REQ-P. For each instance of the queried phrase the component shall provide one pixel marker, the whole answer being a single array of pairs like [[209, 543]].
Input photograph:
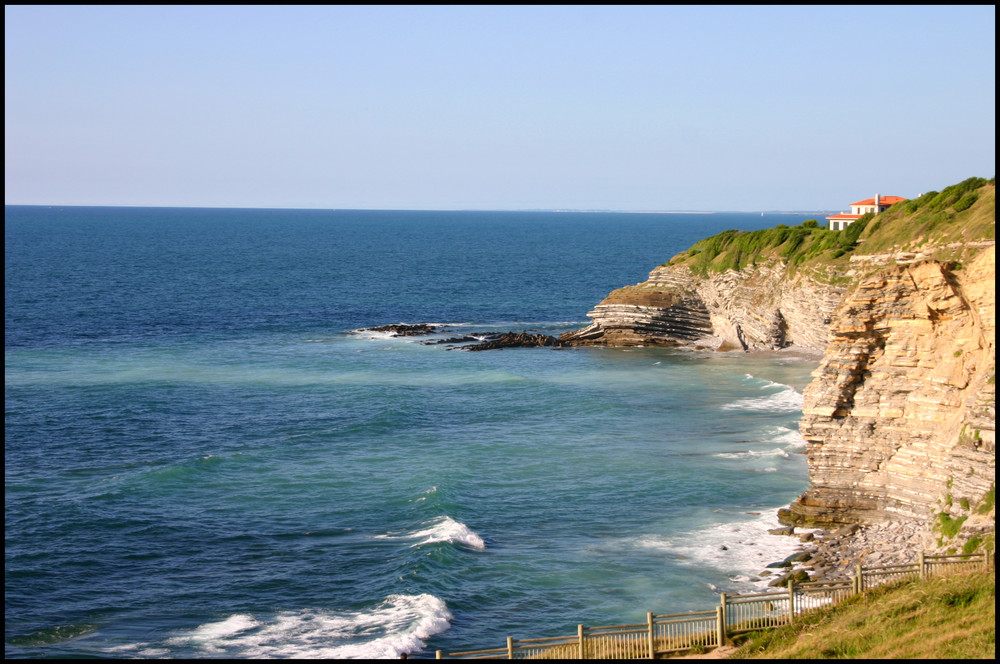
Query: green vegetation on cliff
[[964, 212], [946, 617]]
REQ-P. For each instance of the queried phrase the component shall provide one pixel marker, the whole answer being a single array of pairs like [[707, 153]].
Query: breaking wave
[[443, 529], [397, 625], [787, 398], [752, 453], [739, 549]]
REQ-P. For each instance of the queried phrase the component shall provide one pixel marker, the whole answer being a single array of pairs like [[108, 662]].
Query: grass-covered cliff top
[[947, 617], [964, 212]]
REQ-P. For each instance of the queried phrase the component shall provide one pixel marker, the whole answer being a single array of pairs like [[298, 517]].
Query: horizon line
[[359, 209]]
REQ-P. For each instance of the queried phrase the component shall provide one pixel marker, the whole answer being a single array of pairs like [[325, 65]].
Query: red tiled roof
[[838, 217], [883, 200]]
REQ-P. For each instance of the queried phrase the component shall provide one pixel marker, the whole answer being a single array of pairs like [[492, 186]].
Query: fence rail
[[735, 614], [683, 631]]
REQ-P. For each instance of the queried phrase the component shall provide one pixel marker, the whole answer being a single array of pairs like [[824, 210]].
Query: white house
[[839, 222]]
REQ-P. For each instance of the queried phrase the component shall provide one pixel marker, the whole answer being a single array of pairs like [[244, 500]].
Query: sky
[[501, 108]]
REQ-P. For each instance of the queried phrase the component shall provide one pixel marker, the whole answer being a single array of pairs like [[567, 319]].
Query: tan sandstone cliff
[[900, 417]]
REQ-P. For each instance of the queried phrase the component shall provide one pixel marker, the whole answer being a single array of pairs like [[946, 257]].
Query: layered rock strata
[[900, 417], [761, 307]]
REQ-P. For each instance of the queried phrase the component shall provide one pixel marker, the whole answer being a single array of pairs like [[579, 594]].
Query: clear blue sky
[[625, 108]]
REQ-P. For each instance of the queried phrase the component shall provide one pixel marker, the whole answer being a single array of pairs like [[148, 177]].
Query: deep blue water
[[202, 459]]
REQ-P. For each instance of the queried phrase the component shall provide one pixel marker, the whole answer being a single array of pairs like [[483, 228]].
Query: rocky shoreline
[[832, 555]]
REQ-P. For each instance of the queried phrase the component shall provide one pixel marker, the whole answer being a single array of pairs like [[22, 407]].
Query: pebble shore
[[831, 555]]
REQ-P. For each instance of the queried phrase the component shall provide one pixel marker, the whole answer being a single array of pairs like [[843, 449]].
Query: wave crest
[[398, 624], [740, 548], [788, 398], [443, 529], [752, 453], [447, 529]]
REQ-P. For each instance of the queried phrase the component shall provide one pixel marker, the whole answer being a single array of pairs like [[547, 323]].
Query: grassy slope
[[960, 213], [946, 617]]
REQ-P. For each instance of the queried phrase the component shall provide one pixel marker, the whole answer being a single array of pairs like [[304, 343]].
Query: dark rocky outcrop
[[515, 340], [450, 341]]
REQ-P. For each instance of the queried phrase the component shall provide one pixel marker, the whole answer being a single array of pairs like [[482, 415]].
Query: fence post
[[791, 601], [579, 634], [510, 647], [649, 622], [861, 577], [725, 617], [720, 626], [922, 563]]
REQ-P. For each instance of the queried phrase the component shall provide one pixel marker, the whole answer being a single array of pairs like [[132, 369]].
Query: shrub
[[965, 202]]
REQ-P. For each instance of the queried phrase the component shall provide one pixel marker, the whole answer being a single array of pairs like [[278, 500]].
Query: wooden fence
[[735, 614]]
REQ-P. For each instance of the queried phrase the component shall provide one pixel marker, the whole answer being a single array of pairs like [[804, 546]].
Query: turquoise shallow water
[[202, 459]]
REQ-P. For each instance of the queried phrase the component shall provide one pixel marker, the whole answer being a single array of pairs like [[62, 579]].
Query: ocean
[[206, 457]]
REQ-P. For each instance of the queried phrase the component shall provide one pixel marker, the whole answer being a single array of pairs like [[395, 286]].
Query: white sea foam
[[424, 494], [443, 529], [398, 338], [373, 334], [753, 453], [787, 398], [740, 549], [211, 633], [790, 438], [398, 624], [384, 335], [447, 529]]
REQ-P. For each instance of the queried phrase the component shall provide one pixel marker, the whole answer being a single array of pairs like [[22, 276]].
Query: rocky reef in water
[[478, 342], [514, 340], [403, 329]]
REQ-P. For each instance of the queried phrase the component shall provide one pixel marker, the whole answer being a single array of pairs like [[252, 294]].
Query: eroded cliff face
[[756, 308], [900, 417]]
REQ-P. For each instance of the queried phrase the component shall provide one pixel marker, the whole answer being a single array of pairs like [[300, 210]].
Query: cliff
[[761, 307], [900, 417]]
